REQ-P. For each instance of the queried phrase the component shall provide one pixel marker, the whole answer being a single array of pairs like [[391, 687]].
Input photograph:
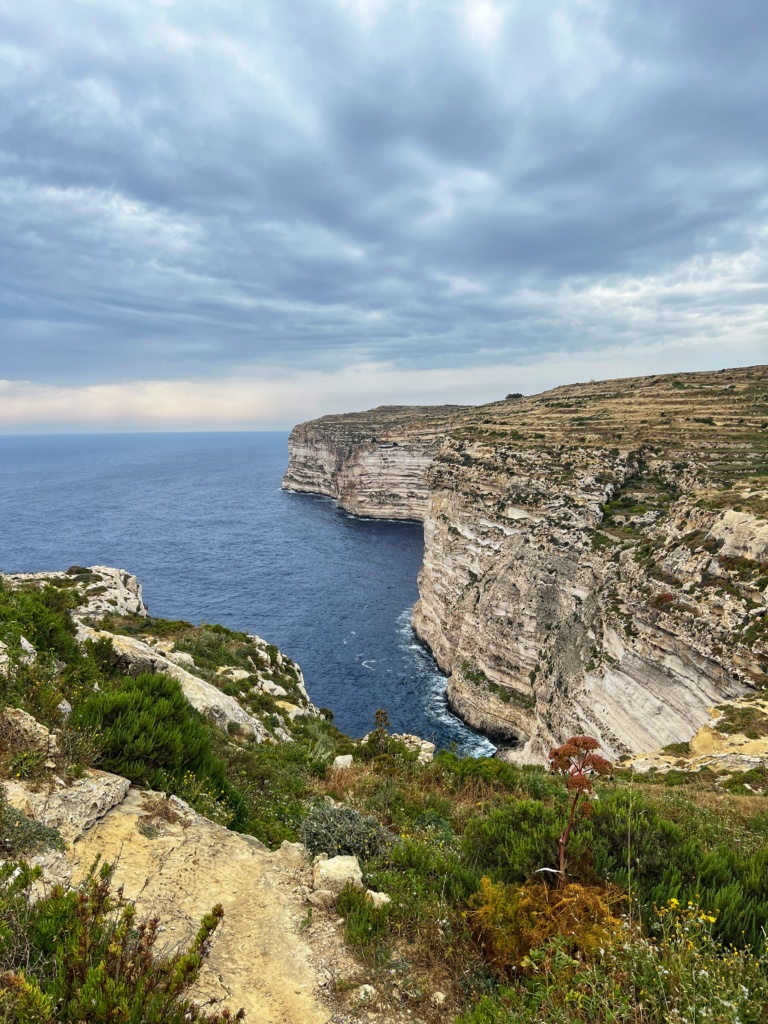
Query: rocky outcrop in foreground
[[596, 557]]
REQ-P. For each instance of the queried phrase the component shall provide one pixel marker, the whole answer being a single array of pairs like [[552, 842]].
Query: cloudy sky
[[244, 213]]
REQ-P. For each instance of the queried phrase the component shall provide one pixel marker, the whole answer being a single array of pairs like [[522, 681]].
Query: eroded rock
[[336, 872]]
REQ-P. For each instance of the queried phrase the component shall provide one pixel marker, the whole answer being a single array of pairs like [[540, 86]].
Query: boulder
[[342, 761], [336, 872], [182, 658], [235, 674], [135, 656], [27, 656], [291, 856], [423, 748], [20, 731]]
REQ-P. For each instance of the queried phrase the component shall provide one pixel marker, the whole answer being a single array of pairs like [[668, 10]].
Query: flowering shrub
[[577, 761]]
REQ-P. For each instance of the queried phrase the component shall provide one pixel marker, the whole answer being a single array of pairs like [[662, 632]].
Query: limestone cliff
[[372, 463], [596, 557]]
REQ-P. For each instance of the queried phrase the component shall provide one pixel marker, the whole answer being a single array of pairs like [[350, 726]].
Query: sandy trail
[[260, 959]]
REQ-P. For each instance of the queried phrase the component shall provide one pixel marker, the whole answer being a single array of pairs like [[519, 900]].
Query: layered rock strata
[[596, 557], [372, 463]]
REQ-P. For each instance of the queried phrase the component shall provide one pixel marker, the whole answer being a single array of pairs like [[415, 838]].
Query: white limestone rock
[[235, 674], [292, 856], [71, 809], [342, 761], [423, 748], [136, 656], [19, 731], [378, 899], [336, 872], [182, 658]]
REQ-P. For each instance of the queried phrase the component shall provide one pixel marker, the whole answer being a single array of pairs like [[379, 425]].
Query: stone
[[19, 731], [182, 658], [378, 899], [323, 899], [342, 761], [235, 674], [27, 656], [29, 651], [437, 998], [72, 809], [336, 872], [423, 748], [292, 856], [291, 710]]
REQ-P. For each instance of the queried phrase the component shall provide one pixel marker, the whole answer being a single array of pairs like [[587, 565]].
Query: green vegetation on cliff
[[667, 894]]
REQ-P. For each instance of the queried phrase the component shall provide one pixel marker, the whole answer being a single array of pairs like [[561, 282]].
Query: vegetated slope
[[596, 557], [457, 844]]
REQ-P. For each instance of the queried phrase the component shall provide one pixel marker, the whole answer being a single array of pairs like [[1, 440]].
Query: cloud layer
[[200, 197]]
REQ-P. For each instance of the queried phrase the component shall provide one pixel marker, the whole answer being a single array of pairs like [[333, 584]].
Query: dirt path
[[261, 958]]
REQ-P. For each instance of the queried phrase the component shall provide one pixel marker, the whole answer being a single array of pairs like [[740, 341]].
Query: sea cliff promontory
[[596, 556]]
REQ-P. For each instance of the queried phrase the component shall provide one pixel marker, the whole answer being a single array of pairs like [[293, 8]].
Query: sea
[[202, 521]]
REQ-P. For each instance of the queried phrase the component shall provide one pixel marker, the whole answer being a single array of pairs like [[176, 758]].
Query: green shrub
[[82, 956], [513, 841], [366, 925], [147, 730], [343, 830]]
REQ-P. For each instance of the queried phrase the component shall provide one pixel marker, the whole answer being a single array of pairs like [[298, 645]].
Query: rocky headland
[[596, 556]]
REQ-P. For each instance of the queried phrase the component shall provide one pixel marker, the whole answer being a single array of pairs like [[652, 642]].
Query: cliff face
[[596, 557], [373, 464]]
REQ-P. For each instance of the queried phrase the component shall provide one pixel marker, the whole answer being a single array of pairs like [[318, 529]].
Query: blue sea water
[[203, 523]]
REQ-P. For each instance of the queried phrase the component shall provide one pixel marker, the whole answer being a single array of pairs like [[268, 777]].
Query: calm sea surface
[[201, 520]]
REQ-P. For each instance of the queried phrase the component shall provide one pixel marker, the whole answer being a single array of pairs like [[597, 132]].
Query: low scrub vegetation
[[526, 895], [82, 956]]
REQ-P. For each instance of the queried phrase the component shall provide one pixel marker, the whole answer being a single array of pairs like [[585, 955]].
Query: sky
[[218, 214]]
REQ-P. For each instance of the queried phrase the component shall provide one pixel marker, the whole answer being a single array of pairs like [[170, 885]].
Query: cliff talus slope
[[596, 557]]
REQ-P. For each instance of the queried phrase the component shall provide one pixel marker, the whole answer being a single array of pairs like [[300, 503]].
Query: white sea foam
[[436, 707]]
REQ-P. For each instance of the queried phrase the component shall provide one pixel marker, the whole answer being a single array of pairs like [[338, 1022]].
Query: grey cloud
[[190, 188]]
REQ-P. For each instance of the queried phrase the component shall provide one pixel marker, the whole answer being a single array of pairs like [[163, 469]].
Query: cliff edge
[[596, 556]]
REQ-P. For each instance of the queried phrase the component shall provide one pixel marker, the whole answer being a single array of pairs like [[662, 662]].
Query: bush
[[148, 732], [82, 956], [684, 976], [513, 841], [343, 830], [511, 920], [146, 729]]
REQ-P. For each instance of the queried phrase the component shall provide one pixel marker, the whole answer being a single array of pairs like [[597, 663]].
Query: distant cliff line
[[596, 557]]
